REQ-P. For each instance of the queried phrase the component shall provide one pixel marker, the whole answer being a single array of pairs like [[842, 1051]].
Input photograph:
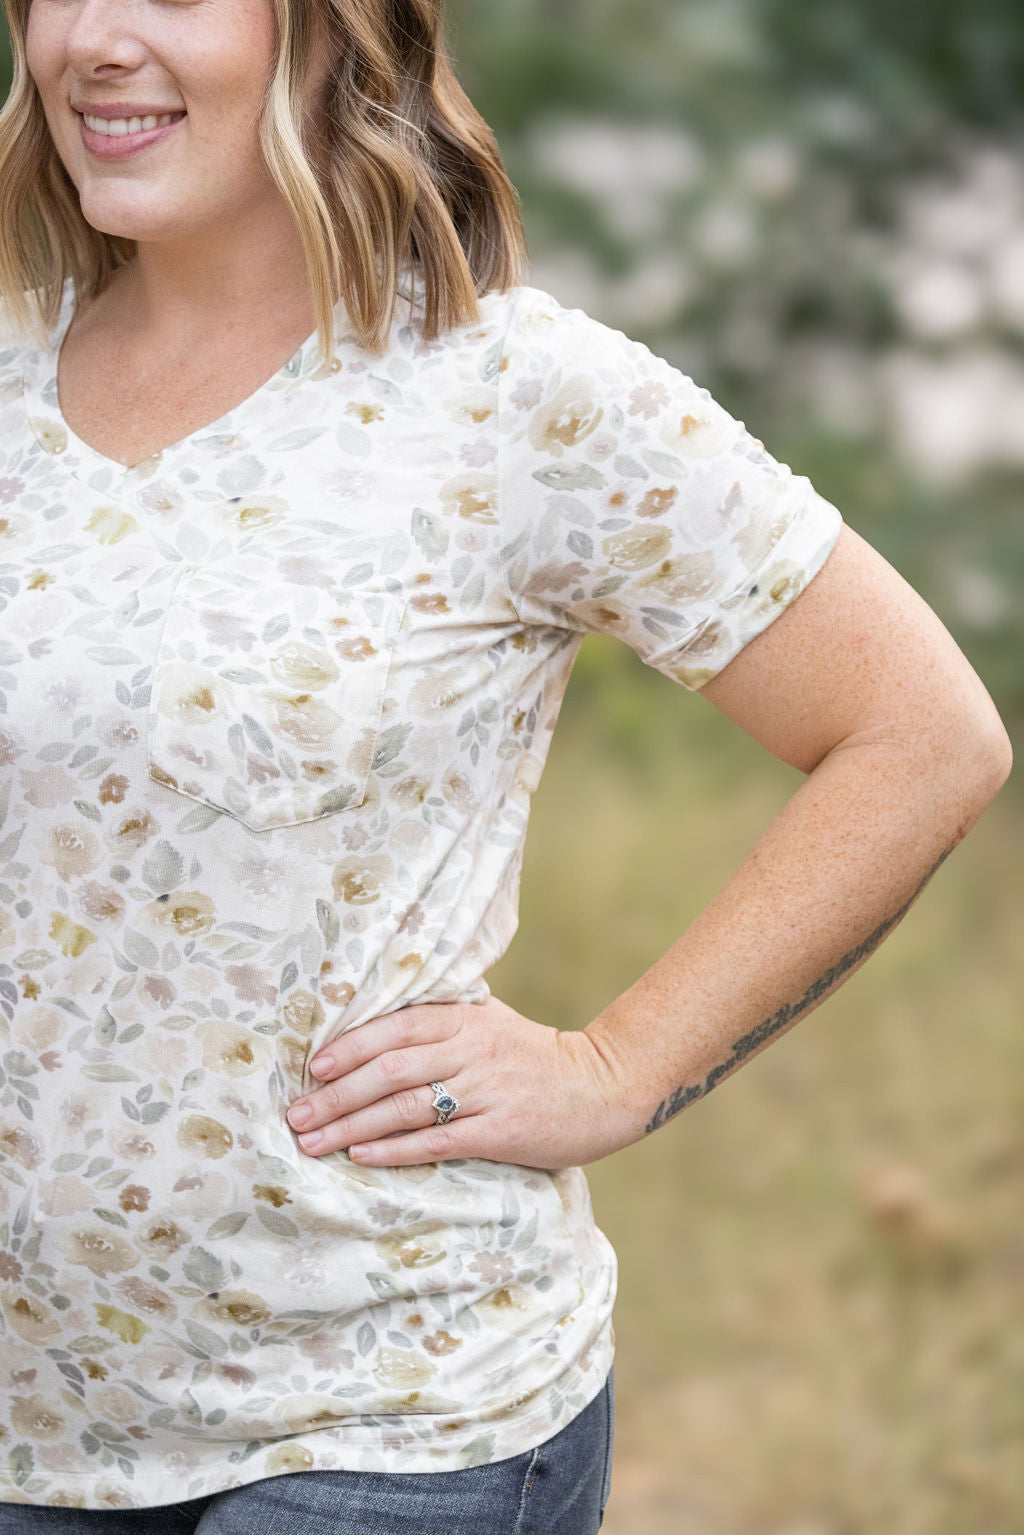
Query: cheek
[[225, 92], [41, 50], [45, 57]]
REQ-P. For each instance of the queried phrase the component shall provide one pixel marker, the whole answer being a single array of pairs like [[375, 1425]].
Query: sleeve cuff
[[792, 562]]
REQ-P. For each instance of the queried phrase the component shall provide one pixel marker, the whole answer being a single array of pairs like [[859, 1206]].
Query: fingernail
[[299, 1113], [321, 1066], [312, 1138]]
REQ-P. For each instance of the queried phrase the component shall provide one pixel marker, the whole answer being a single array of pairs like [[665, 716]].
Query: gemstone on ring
[[445, 1103]]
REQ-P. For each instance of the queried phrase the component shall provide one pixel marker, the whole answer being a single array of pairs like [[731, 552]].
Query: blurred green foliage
[[868, 101], [874, 100], [731, 63]]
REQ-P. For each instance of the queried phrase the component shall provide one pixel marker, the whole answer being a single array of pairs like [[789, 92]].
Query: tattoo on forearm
[[789, 1011]]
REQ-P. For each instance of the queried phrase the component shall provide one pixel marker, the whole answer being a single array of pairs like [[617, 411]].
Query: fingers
[[423, 1023], [411, 1110], [375, 1093], [438, 1144], [387, 1077]]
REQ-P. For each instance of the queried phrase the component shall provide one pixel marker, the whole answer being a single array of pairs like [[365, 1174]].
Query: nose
[[102, 38]]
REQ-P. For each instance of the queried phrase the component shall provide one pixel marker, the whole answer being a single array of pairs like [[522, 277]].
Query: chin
[[127, 224]]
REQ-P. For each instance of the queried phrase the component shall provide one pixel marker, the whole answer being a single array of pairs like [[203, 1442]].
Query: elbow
[[961, 760], [987, 762], [999, 760]]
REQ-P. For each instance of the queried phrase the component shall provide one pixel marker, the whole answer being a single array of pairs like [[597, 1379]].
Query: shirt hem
[[325, 1450]]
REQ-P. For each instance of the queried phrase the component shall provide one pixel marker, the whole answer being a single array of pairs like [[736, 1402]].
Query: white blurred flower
[[652, 294], [725, 233], [1006, 281], [956, 258], [951, 417], [968, 213], [601, 154], [630, 170], [937, 299]]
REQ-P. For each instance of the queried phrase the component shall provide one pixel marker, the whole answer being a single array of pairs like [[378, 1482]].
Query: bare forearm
[[826, 883]]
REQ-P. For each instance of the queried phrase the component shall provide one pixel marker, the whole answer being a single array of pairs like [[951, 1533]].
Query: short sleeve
[[631, 503]]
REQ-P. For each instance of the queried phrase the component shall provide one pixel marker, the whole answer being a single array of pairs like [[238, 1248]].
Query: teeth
[[118, 127]]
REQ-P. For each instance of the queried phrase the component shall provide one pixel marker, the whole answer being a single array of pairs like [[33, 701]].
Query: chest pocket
[[267, 694]]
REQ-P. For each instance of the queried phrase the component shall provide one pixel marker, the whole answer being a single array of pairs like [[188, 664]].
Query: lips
[[124, 108], [115, 138]]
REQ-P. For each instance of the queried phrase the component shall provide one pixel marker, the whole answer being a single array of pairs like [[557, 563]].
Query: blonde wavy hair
[[398, 172]]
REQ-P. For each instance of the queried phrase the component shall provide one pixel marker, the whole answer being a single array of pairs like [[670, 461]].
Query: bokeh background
[[817, 211]]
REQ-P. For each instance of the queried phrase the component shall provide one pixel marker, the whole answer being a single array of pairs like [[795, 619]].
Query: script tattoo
[[788, 1012]]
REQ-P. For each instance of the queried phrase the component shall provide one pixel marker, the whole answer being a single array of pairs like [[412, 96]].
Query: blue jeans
[[559, 1488]]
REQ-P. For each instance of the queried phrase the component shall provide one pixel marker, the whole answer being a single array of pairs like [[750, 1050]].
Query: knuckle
[[409, 1106], [330, 1101], [440, 1141], [393, 1064], [507, 1129], [411, 1027]]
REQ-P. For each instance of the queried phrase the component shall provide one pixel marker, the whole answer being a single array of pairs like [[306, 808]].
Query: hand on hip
[[526, 1092]]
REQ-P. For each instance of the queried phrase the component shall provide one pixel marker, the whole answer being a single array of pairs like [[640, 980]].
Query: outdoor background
[[816, 211]]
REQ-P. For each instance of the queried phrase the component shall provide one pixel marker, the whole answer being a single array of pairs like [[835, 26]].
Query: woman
[[296, 567]]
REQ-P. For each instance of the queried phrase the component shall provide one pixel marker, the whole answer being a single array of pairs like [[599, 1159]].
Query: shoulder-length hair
[[397, 172]]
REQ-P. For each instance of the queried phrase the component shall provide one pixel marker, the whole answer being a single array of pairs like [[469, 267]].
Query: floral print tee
[[274, 702]]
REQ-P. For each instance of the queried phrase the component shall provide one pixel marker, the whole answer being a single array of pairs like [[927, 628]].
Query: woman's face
[[153, 106]]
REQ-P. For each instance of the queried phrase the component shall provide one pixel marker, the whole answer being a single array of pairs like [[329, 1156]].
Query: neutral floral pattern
[[272, 707]]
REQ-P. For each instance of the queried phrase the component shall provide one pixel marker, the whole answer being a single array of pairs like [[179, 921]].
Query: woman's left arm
[[860, 686]]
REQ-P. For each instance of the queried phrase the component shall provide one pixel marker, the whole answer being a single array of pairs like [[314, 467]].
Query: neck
[[192, 286]]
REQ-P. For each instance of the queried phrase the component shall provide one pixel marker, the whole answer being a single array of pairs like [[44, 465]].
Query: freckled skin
[[748, 1044], [859, 686], [882, 808]]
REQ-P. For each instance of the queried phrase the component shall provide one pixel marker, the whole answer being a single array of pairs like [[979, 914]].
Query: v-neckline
[[55, 436]]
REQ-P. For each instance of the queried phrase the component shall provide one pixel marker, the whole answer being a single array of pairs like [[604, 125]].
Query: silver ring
[[445, 1103]]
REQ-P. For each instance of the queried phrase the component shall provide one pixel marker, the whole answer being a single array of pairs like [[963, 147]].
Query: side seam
[[526, 1490]]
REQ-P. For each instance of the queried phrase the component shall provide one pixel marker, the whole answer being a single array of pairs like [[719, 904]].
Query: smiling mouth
[[122, 127]]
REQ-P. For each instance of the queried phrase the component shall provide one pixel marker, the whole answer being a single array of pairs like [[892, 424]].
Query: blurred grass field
[[820, 1320]]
